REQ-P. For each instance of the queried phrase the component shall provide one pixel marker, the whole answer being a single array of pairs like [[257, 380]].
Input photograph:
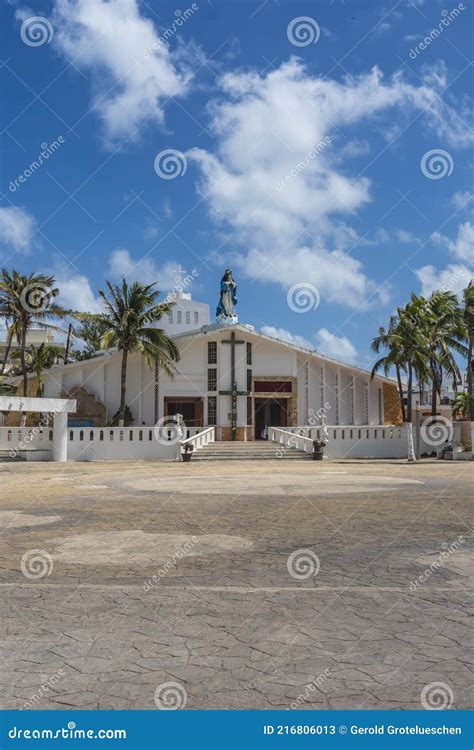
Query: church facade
[[230, 376]]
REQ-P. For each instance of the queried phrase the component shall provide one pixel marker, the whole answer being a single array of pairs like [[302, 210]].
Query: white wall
[[101, 377]]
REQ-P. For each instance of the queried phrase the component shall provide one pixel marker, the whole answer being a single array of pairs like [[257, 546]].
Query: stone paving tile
[[232, 626]]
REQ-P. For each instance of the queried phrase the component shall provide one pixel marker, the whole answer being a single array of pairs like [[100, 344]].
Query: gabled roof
[[218, 328]]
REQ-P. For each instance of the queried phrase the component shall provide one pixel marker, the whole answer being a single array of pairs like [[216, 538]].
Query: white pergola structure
[[58, 407]]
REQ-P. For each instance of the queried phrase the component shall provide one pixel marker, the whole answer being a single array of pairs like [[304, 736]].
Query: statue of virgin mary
[[225, 309]]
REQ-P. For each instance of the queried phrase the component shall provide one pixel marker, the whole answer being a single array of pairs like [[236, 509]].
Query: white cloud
[[435, 75], [283, 335], [338, 347], [133, 73], [456, 276], [76, 292], [381, 236], [463, 199], [453, 278], [151, 232], [286, 201], [121, 263], [17, 228], [463, 245]]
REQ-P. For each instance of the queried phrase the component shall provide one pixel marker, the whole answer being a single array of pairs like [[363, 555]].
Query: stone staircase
[[258, 450]]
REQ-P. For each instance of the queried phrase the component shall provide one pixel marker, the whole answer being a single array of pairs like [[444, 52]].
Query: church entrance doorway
[[270, 412], [191, 407]]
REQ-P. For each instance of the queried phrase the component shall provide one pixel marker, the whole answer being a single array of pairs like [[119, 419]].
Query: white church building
[[229, 376]]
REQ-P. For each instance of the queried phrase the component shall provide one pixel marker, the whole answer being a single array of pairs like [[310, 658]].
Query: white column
[[338, 395], [60, 436]]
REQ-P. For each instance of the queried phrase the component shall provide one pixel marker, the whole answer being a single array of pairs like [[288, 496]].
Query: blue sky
[[304, 132]]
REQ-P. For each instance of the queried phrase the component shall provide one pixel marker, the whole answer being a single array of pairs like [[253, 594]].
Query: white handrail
[[291, 439], [199, 440]]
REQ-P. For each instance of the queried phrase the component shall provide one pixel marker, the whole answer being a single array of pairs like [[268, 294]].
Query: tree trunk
[[400, 393], [469, 386], [469, 375], [23, 361], [410, 443], [7, 350], [434, 394], [123, 387], [434, 389]]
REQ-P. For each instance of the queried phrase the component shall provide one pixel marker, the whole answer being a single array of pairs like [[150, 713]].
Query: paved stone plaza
[[119, 577]]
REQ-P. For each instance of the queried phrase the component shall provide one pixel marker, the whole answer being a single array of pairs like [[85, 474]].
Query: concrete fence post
[[60, 436]]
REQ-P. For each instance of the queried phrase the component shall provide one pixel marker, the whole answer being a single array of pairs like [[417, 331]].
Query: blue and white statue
[[225, 309]]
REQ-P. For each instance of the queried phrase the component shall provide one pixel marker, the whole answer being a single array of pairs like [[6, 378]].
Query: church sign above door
[[272, 386]]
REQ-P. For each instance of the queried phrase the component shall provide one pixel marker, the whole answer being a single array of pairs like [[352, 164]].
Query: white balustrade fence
[[358, 441], [21, 440], [199, 440], [352, 441], [108, 443], [95, 443]]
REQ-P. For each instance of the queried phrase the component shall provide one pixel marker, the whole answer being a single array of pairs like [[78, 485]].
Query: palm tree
[[41, 358], [461, 405], [417, 353], [407, 351], [390, 341], [130, 313], [10, 330], [441, 318], [27, 300], [468, 315], [90, 331]]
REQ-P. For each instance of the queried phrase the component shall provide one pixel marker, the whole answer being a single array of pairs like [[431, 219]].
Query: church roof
[[215, 328], [249, 329]]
